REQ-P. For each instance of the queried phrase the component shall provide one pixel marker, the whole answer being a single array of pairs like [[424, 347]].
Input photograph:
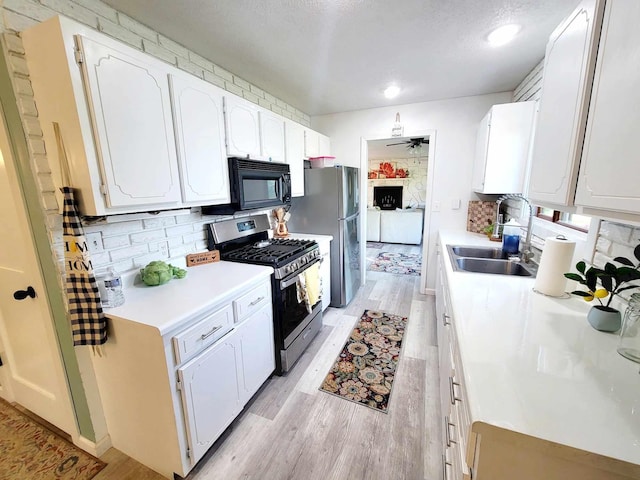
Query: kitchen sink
[[479, 252], [485, 265], [488, 260]]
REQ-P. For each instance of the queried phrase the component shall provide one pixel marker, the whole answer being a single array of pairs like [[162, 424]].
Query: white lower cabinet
[[255, 356], [210, 379], [168, 397], [453, 403]]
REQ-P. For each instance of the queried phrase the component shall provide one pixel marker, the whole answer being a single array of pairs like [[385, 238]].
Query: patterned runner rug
[[30, 451], [365, 369], [375, 245], [399, 263]]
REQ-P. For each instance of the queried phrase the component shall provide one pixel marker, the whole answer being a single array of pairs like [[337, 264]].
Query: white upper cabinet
[[610, 169], [131, 113], [294, 135], [568, 70], [316, 144], [199, 126], [502, 148], [272, 138], [242, 123], [112, 106]]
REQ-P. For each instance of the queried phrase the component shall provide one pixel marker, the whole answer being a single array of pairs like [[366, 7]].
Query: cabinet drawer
[[252, 301], [201, 335]]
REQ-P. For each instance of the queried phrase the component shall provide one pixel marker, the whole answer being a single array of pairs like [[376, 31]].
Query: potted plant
[[613, 281]]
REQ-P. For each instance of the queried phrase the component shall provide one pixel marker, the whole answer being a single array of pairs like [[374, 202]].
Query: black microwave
[[255, 184]]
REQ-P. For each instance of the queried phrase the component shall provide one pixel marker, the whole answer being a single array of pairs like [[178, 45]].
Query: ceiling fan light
[[391, 91], [503, 35]]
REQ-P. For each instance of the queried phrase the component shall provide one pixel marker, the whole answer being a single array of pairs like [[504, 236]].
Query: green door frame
[[50, 273]]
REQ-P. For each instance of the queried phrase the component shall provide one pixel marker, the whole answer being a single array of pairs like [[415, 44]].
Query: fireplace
[[387, 198]]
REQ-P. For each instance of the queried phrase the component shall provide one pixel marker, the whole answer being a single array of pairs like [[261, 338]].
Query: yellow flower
[[589, 297], [600, 293]]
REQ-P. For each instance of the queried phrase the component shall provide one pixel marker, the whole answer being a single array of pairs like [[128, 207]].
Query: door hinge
[[178, 385], [79, 56], [189, 453], [103, 189]]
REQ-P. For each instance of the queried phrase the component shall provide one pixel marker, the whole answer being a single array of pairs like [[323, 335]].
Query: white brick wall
[[130, 244]]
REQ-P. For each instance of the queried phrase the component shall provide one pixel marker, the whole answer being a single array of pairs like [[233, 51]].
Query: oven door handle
[[287, 283]]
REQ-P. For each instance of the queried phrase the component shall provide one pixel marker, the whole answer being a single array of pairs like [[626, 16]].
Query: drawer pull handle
[[445, 320], [452, 391], [447, 432], [211, 332], [256, 301], [445, 464]]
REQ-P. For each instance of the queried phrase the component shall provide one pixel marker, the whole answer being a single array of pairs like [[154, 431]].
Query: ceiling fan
[[412, 143]]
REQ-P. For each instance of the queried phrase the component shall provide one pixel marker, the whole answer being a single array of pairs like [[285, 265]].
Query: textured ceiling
[[327, 56]]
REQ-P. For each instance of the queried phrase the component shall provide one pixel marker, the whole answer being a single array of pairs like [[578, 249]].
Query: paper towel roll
[[554, 263]]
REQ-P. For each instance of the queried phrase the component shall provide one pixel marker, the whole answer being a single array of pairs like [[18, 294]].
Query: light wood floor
[[292, 431]]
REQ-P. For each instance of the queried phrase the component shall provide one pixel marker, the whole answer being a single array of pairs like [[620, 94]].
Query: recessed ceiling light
[[503, 35], [391, 91]]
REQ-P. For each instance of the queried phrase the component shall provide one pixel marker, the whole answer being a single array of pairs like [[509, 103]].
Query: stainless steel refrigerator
[[331, 206]]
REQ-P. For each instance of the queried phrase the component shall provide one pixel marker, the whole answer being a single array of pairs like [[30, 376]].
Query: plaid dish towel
[[88, 323]]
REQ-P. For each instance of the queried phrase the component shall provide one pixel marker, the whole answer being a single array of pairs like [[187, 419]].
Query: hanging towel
[[88, 323], [313, 283], [302, 292]]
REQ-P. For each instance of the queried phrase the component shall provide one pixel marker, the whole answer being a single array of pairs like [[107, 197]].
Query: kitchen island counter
[[532, 364]]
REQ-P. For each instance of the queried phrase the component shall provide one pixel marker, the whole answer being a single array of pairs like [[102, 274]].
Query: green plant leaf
[[576, 277], [607, 282], [592, 278], [628, 274], [580, 266], [628, 287], [624, 261], [636, 252], [610, 268], [580, 293]]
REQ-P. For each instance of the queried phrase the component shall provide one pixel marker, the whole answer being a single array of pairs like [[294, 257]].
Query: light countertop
[[165, 307], [534, 365]]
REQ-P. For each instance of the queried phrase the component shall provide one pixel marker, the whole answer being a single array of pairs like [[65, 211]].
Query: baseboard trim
[[97, 449]]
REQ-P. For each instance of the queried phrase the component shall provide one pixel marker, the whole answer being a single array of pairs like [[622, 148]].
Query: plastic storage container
[[110, 287], [629, 343], [511, 237], [321, 162]]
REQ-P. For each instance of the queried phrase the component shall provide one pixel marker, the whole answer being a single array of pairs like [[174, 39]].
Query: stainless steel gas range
[[247, 240]]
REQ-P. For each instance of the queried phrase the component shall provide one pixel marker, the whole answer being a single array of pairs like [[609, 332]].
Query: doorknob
[[22, 294]]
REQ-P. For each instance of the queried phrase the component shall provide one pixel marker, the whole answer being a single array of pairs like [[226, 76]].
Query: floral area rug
[[399, 263], [30, 451], [365, 369], [375, 244]]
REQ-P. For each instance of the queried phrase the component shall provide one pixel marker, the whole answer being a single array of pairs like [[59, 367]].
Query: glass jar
[[629, 343]]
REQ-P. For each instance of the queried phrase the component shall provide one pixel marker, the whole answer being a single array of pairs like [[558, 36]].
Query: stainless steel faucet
[[526, 255]]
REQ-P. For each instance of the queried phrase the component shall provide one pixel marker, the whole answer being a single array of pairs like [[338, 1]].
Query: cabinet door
[[256, 343], [133, 129], [609, 170], [199, 124], [568, 69], [242, 125], [311, 143], [482, 145], [272, 136], [294, 136], [210, 394], [324, 145], [504, 140]]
